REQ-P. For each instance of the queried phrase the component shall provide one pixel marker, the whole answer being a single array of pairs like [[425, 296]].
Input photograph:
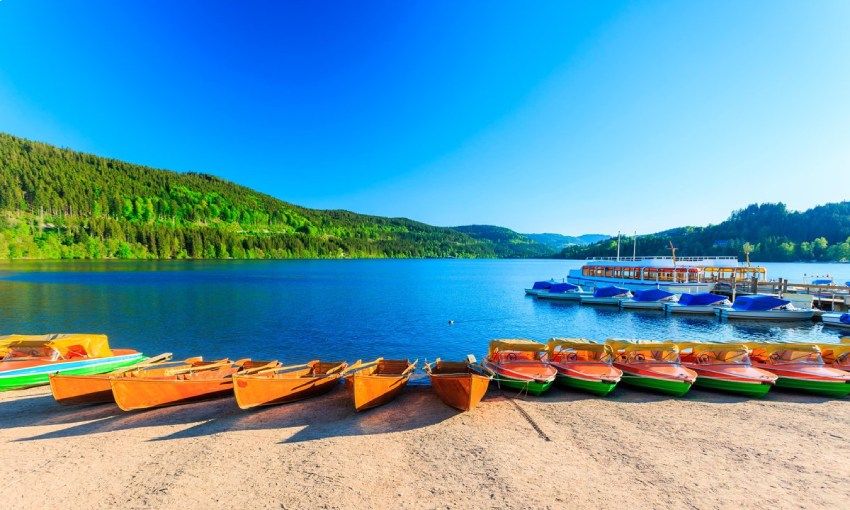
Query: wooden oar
[[212, 366], [272, 365], [410, 368], [146, 363], [359, 365]]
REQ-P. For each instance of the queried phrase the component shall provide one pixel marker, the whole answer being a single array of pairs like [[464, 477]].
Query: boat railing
[[661, 257]]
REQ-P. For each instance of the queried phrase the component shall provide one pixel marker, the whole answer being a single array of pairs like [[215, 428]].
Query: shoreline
[[563, 449]]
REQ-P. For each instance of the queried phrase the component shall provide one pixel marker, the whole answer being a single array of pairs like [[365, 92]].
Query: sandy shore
[[634, 450]]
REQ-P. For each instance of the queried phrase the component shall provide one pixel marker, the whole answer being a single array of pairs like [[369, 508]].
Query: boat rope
[[529, 419]]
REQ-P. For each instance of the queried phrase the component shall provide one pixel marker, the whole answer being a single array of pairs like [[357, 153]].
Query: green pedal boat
[[653, 366], [28, 360], [583, 365], [725, 367], [520, 365], [800, 367]]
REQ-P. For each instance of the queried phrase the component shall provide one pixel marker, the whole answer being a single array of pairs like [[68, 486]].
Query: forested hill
[[58, 203], [770, 231]]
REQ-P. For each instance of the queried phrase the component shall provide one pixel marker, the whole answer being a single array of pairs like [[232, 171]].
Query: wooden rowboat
[[458, 383], [71, 389], [279, 385], [377, 382], [158, 387]]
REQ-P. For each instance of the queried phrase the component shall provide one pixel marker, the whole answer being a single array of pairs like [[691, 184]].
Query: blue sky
[[567, 117]]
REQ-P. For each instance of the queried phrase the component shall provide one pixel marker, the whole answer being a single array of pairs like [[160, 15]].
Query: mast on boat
[[618, 246]]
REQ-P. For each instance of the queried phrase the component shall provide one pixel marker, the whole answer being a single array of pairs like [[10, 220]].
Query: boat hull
[[748, 389], [461, 391], [535, 388], [563, 296], [834, 320], [693, 310], [81, 389], [642, 305], [253, 391], [659, 385], [369, 391], [835, 389], [599, 388], [778, 315], [39, 375], [135, 393], [601, 301]]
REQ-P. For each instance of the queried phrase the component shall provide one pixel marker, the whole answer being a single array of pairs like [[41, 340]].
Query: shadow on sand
[[327, 416]]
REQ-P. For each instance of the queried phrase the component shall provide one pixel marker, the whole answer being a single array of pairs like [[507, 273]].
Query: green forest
[[62, 204], [769, 232]]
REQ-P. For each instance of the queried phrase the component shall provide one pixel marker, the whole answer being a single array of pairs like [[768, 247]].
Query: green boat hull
[[737, 387], [599, 388], [668, 387], [28, 380], [826, 388], [535, 388]]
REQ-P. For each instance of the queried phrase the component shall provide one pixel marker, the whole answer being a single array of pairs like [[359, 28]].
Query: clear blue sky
[[565, 116]]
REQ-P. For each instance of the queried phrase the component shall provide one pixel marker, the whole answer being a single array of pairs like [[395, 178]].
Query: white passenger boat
[[678, 275], [838, 320], [539, 287], [609, 295], [763, 307], [649, 299], [564, 292], [700, 304]]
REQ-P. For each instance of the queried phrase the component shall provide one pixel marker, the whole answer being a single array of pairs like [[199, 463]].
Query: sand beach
[[561, 450]]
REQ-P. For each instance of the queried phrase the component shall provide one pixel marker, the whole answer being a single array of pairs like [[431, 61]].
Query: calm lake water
[[300, 310]]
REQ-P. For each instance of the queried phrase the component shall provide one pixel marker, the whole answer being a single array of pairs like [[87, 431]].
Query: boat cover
[[716, 352], [516, 344], [599, 352], [541, 285], [845, 318], [785, 353], [821, 282], [651, 295], [642, 351], [67, 345], [609, 291], [706, 298], [758, 303], [562, 287]]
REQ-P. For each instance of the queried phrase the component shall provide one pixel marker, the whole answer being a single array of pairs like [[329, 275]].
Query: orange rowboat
[[280, 385], [95, 388], [157, 387], [457, 383], [377, 382]]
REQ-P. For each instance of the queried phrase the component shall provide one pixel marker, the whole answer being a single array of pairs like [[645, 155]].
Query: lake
[[340, 309]]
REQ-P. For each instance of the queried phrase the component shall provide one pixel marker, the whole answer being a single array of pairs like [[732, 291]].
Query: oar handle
[[360, 365], [211, 366], [161, 358], [410, 368]]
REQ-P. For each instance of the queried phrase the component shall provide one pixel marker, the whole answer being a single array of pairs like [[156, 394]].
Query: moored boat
[[538, 287], [609, 295], [459, 384], [71, 389], [698, 304], [652, 365], [763, 307], [649, 299], [280, 385], [377, 382], [520, 364], [725, 367], [836, 320], [28, 360], [800, 367], [159, 387], [583, 365], [564, 292]]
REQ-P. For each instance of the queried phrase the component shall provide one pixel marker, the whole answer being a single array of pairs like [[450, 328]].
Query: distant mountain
[[770, 231], [559, 241], [507, 243], [58, 203]]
